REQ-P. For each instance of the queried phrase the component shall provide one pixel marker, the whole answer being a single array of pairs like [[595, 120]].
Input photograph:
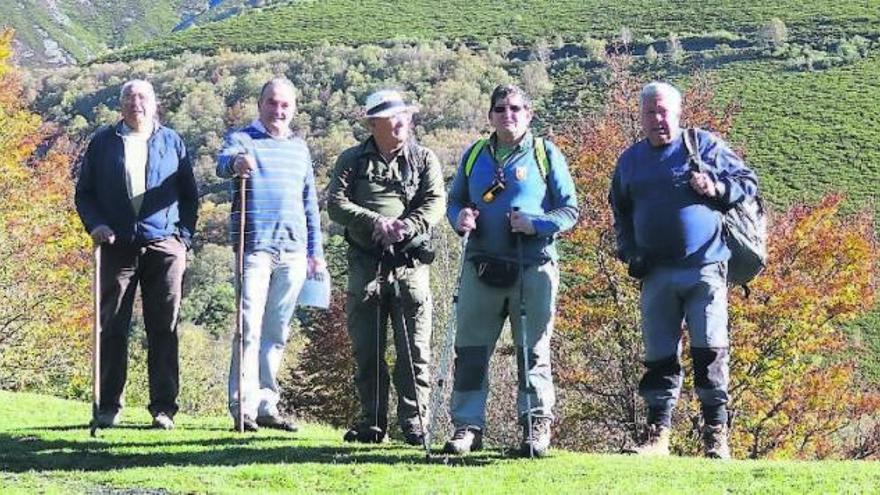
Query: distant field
[[339, 21], [810, 133]]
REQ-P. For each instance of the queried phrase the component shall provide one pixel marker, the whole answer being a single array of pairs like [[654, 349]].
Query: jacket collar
[[121, 128], [370, 149]]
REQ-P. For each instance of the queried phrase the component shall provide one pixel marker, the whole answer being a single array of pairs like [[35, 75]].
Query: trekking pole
[[96, 341], [239, 316], [448, 343], [524, 339], [375, 430], [395, 284]]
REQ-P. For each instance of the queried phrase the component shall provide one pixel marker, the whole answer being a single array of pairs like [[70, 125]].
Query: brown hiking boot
[[656, 442], [465, 439], [539, 443], [715, 442]]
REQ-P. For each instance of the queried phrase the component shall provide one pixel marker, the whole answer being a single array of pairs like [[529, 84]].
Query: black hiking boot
[[362, 433]]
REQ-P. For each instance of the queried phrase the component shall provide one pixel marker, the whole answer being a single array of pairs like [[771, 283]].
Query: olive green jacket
[[364, 188]]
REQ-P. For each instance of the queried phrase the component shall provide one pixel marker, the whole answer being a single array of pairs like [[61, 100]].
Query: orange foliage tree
[[44, 283], [793, 379]]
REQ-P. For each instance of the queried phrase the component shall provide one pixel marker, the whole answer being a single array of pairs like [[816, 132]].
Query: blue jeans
[[271, 284], [698, 297], [482, 310]]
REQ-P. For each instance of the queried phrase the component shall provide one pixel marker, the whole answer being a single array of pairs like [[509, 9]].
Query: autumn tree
[[44, 286], [793, 377]]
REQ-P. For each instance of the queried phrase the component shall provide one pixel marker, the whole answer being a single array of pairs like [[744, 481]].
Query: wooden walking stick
[[96, 340], [239, 318]]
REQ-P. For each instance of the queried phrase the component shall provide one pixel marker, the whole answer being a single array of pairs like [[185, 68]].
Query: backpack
[[540, 156], [745, 226]]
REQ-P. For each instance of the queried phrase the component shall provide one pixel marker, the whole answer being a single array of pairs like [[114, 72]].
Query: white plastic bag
[[315, 291]]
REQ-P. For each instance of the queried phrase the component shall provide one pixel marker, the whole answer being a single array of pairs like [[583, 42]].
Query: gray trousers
[[272, 282], [698, 297], [368, 312], [482, 310], [158, 267]]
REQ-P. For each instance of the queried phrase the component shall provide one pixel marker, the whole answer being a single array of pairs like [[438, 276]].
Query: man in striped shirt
[[282, 246]]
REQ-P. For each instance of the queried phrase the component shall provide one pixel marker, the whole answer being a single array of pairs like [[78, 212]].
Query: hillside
[[308, 23], [45, 448], [62, 32]]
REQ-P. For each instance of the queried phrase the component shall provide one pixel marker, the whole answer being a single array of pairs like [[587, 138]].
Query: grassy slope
[[45, 448], [810, 133], [521, 20]]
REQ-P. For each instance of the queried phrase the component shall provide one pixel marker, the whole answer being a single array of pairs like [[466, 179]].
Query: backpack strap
[[692, 143], [540, 156], [473, 154]]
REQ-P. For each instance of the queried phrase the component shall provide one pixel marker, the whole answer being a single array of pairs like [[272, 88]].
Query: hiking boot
[[465, 439], [277, 422], [539, 443], [656, 442], [162, 421], [248, 423], [715, 442], [362, 433]]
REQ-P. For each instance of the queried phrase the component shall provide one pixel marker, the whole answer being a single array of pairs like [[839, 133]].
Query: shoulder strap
[[541, 157], [473, 154], [692, 143]]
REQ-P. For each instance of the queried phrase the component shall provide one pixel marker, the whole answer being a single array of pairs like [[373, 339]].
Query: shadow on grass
[[24, 450]]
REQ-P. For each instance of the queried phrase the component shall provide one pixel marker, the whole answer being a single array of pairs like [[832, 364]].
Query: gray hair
[[657, 89], [277, 81], [126, 88]]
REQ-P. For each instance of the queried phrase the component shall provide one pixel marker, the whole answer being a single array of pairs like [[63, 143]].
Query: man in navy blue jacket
[[137, 198], [667, 218]]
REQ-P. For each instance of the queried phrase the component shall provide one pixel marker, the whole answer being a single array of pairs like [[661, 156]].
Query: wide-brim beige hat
[[386, 103]]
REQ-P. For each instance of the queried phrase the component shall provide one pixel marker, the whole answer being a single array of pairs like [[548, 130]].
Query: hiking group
[[672, 194]]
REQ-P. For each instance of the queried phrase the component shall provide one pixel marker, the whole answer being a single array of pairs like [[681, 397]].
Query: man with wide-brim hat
[[388, 193]]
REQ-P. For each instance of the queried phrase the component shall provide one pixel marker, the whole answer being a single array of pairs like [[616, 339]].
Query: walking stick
[[524, 339], [239, 317], [96, 341], [395, 283], [446, 354]]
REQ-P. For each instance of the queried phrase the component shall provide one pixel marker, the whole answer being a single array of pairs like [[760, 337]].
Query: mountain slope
[[59, 32], [307, 22]]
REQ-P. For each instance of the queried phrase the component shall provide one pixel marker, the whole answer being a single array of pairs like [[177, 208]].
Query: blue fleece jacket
[[550, 202], [282, 203], [659, 215], [171, 198]]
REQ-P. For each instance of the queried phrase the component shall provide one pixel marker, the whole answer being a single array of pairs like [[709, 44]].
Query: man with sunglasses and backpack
[[512, 194], [668, 222]]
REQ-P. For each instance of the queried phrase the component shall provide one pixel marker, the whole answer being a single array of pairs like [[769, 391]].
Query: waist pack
[[744, 226], [496, 273]]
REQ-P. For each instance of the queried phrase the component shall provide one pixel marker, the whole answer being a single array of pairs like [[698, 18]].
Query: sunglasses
[[503, 108]]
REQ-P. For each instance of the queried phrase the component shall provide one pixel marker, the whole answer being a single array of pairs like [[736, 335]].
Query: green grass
[[309, 22], [809, 133], [44, 447]]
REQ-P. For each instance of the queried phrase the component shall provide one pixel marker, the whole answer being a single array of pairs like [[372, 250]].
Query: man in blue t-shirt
[[668, 221]]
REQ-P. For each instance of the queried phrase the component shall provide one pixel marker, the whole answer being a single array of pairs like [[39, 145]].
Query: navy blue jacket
[[658, 214], [171, 197]]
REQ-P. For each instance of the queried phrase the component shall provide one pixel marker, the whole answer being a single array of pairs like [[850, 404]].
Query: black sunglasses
[[502, 108]]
